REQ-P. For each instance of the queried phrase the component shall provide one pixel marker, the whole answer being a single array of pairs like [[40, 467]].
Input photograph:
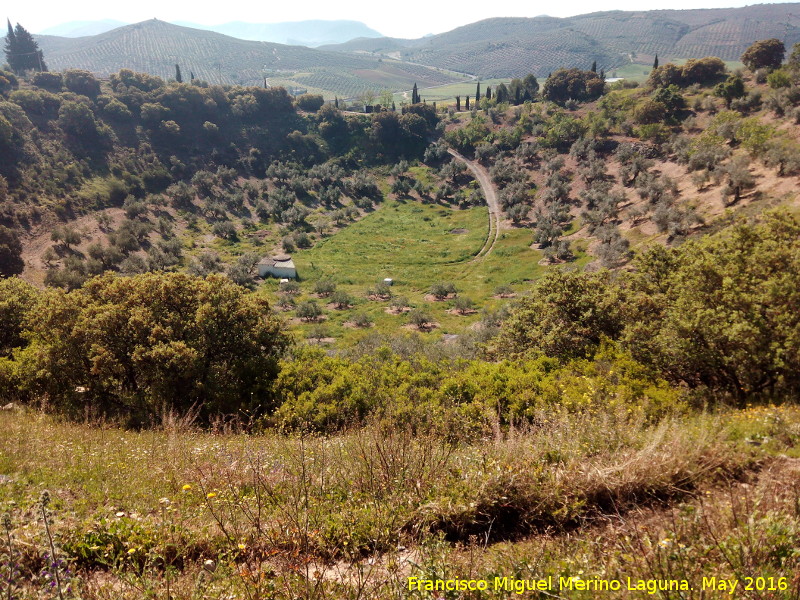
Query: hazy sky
[[406, 18]]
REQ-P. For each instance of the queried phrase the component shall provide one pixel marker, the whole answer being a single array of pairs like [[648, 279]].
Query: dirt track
[[491, 201]]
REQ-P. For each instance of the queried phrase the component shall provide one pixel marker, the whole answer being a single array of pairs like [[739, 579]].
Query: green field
[[446, 94], [414, 244]]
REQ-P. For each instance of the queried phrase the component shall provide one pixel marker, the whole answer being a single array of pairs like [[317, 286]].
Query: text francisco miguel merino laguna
[[520, 586]]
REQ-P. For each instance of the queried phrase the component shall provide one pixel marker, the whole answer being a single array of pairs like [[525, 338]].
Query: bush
[[361, 320], [324, 287], [138, 345], [308, 311], [442, 290], [419, 318], [52, 82], [310, 102], [81, 82]]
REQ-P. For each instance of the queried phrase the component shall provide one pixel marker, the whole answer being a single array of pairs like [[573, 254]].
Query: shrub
[[308, 311], [138, 344], [442, 290], [310, 102], [324, 287]]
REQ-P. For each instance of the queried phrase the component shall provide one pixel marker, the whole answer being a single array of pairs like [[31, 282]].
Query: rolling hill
[[507, 47], [312, 33], [156, 46]]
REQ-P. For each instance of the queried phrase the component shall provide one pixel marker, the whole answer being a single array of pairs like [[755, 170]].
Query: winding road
[[482, 175]]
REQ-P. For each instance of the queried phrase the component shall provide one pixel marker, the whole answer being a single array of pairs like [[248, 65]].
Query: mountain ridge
[[506, 46]]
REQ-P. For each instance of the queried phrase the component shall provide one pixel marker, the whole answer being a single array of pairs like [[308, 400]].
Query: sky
[[408, 18]]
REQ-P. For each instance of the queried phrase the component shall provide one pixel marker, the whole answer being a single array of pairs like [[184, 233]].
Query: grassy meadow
[[179, 513], [417, 245]]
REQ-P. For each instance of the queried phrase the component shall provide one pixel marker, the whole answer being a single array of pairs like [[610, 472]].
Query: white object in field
[[280, 266]]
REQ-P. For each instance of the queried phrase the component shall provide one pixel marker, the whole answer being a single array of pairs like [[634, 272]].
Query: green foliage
[[764, 54], [703, 71], [731, 89], [137, 346], [566, 84], [22, 51], [310, 102], [717, 313], [779, 78], [326, 393], [81, 82], [11, 262], [566, 316]]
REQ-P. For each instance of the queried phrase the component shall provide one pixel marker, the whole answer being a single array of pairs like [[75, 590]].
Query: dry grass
[[350, 516]]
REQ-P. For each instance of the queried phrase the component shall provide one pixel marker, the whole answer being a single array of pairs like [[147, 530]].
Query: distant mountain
[[311, 33], [156, 46], [75, 29], [507, 47]]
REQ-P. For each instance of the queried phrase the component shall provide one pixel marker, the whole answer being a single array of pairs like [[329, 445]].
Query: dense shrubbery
[[703, 71], [140, 346], [327, 393], [150, 133], [715, 314]]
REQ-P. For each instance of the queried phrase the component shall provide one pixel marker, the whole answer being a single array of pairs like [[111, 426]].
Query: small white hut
[[280, 266]]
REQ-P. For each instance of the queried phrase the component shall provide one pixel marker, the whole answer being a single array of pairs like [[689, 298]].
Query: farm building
[[277, 266]]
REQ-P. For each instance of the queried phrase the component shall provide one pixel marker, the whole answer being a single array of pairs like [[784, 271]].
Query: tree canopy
[[22, 51], [764, 54]]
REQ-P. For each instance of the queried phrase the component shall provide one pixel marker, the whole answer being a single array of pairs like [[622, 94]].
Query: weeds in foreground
[[184, 515]]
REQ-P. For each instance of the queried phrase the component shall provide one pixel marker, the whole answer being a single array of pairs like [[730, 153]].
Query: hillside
[[549, 343], [155, 46], [511, 47]]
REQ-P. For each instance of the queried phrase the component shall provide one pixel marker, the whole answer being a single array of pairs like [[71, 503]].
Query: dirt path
[[490, 194]]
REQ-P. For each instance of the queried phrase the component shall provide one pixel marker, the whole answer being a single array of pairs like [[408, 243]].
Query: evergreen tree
[[478, 93], [22, 51], [602, 75], [458, 103], [191, 77], [414, 95], [10, 41], [467, 105], [655, 63], [336, 101], [178, 76], [488, 93], [594, 66]]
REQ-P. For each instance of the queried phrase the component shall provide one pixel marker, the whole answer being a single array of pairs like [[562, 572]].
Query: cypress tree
[[478, 93], [458, 103], [191, 78], [178, 76], [488, 93], [602, 75], [336, 101], [414, 95], [11, 41], [22, 51], [467, 103], [594, 66], [655, 63]]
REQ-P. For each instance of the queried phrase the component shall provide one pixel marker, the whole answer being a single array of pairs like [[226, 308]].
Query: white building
[[280, 266]]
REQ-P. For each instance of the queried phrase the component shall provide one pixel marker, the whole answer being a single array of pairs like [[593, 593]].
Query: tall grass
[[193, 514]]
